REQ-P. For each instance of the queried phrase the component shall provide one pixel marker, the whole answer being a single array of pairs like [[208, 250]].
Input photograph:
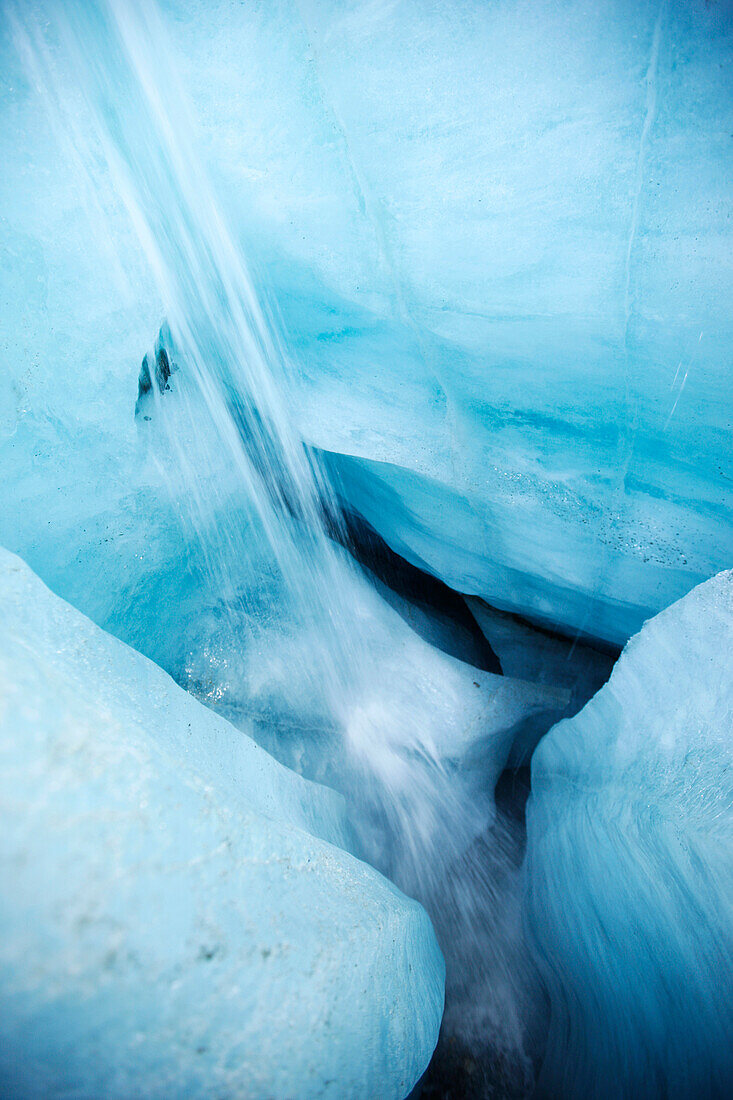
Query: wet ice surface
[[172, 923], [487, 326], [630, 866], [506, 298]]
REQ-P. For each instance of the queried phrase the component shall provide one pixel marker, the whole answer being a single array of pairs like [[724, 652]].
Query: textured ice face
[[498, 236], [169, 916], [629, 869], [497, 240]]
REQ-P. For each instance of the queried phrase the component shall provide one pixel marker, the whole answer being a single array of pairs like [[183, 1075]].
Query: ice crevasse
[[498, 244]]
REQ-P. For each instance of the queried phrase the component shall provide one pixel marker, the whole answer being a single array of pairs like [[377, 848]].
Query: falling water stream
[[261, 510]]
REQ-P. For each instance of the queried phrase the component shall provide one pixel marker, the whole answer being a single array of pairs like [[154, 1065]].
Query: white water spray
[[310, 653]]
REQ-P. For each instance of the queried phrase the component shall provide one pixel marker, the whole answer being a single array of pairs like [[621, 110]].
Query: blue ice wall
[[504, 230], [498, 239], [630, 867]]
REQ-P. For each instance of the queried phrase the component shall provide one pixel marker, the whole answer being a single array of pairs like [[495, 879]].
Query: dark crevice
[[440, 604], [432, 608]]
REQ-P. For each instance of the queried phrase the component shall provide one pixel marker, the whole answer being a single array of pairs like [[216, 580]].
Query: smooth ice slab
[[630, 866], [170, 924]]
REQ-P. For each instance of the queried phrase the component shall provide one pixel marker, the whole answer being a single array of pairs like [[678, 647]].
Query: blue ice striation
[[630, 866], [365, 374]]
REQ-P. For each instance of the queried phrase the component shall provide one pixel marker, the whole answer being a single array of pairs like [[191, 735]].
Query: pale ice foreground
[[175, 926]]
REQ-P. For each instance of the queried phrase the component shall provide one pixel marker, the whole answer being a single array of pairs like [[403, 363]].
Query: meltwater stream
[[298, 640]]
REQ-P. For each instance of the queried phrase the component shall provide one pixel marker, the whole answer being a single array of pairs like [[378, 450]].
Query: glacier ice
[[630, 866], [492, 241], [193, 533], [503, 277], [498, 237], [169, 916], [540, 657]]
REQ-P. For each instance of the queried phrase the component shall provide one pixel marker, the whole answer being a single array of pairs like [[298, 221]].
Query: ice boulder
[[630, 866], [175, 918]]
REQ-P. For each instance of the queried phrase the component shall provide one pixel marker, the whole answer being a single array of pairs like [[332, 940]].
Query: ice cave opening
[[365, 644]]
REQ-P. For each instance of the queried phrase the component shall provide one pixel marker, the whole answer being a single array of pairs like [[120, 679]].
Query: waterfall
[[309, 646]]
